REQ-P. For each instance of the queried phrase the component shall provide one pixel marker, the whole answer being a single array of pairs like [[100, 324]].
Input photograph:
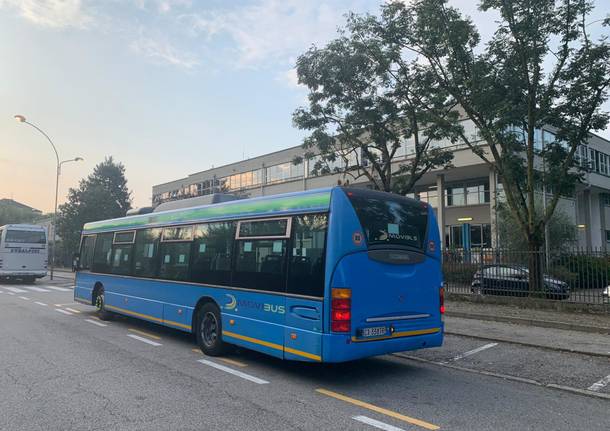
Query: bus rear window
[[25, 237], [390, 219]]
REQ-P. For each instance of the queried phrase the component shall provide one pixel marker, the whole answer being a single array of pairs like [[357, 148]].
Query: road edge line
[[521, 343], [508, 377]]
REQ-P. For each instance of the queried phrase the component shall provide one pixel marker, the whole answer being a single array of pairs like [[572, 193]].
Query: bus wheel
[[208, 330], [100, 305]]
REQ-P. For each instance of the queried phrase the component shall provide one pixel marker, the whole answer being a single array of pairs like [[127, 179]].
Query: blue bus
[[325, 275]]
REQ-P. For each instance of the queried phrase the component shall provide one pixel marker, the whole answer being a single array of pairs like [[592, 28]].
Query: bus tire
[[208, 330], [100, 305]]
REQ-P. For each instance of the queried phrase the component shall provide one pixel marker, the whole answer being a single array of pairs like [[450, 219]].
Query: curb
[[570, 389], [531, 322], [538, 346]]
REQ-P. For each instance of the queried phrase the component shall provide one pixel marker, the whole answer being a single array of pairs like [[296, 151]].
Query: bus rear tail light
[[341, 310], [442, 298]]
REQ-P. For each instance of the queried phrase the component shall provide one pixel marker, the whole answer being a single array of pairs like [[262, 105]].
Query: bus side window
[[211, 253], [146, 253], [86, 253], [102, 253], [175, 250], [259, 264], [120, 262], [306, 270]]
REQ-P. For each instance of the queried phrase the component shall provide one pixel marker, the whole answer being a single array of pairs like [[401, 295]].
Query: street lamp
[[22, 119]]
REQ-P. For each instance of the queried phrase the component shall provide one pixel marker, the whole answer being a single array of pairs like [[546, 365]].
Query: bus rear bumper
[[17, 274], [341, 348]]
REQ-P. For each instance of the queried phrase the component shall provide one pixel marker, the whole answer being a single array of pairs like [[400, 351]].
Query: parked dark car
[[513, 280]]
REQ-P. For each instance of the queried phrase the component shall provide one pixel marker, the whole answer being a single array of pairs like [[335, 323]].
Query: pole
[[58, 165], [55, 220]]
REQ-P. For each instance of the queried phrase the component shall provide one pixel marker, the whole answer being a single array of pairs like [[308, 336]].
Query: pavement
[[63, 369]]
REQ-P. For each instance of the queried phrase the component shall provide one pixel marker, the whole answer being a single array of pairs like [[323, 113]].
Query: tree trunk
[[535, 263]]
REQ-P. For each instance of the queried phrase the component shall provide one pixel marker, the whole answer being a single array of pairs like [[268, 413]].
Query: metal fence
[[576, 276]]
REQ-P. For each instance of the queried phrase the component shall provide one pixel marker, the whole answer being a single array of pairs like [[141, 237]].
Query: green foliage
[[587, 271], [540, 68], [366, 100], [13, 214], [462, 273], [562, 231], [102, 195]]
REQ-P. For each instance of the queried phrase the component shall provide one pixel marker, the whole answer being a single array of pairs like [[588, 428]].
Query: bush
[[462, 273], [588, 272]]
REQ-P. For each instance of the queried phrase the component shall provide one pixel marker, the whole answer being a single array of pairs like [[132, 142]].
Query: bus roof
[[22, 226], [299, 202]]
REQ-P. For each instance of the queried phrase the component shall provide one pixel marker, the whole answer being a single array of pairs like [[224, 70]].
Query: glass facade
[[479, 236]]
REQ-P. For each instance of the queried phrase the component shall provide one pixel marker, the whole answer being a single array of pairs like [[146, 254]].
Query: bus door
[[305, 288], [254, 315]]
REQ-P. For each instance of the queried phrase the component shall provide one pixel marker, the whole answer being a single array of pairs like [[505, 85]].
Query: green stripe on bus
[[316, 200]]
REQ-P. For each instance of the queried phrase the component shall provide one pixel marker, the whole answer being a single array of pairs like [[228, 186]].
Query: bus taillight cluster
[[341, 310]]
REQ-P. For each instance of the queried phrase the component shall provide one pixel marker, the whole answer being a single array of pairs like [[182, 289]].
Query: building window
[[477, 194], [454, 196], [284, 172], [430, 197]]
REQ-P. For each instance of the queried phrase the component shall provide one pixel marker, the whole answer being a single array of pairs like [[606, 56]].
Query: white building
[[466, 212]]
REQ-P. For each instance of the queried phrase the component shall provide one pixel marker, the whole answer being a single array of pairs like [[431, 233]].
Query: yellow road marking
[[73, 310], [377, 409], [233, 362], [146, 334], [197, 351]]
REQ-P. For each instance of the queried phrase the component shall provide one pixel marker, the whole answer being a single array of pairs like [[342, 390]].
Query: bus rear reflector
[[341, 293], [341, 310], [340, 326], [442, 295]]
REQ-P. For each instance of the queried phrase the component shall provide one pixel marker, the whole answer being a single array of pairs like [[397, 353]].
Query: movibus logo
[[253, 305], [232, 302]]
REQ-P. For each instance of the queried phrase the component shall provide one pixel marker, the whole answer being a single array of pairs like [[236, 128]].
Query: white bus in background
[[23, 252]]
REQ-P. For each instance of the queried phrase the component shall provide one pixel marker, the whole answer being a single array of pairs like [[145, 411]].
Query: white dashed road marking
[[234, 372], [67, 313], [25, 298], [377, 424], [96, 322], [73, 310], [144, 340], [60, 289], [15, 290], [40, 303], [473, 351], [36, 289], [598, 386]]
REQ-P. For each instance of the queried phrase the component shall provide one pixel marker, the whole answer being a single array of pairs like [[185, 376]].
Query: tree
[[540, 68], [10, 213], [102, 195], [562, 231], [365, 102]]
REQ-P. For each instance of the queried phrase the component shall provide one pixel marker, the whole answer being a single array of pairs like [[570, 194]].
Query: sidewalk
[[573, 332]]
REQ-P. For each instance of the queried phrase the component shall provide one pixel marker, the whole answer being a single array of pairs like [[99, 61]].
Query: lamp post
[[22, 119]]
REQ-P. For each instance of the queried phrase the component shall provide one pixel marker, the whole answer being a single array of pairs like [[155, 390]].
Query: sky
[[167, 87]]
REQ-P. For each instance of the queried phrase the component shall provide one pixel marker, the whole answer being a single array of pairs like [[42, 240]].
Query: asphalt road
[[62, 369]]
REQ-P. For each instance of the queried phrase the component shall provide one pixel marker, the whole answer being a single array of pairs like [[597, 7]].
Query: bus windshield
[[390, 219], [25, 237]]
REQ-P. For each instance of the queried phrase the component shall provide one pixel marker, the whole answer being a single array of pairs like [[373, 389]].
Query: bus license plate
[[375, 331]]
